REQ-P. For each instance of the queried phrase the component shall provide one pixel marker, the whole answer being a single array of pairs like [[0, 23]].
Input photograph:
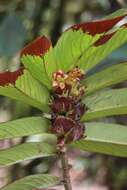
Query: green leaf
[[110, 76], [68, 50], [117, 13], [25, 151], [104, 138], [28, 90], [36, 66], [33, 182], [96, 54], [50, 62], [11, 92], [24, 127], [106, 103], [32, 88]]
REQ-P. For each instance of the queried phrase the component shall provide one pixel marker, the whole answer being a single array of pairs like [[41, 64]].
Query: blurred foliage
[[12, 35], [23, 20]]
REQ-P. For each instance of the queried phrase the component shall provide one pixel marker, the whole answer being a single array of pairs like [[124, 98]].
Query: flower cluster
[[66, 106]]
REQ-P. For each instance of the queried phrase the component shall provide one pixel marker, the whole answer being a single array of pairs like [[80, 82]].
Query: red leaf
[[37, 47], [98, 27], [104, 39], [10, 77]]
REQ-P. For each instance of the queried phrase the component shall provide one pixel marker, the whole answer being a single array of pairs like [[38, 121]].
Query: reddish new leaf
[[37, 47], [104, 39], [98, 27], [10, 77]]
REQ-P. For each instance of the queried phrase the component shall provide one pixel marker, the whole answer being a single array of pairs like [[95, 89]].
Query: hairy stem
[[65, 170]]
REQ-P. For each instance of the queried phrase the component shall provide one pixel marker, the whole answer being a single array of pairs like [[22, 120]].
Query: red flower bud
[[67, 129], [66, 107], [62, 105], [77, 112]]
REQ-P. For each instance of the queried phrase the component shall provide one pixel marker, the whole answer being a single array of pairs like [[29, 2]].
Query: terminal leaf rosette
[[54, 79]]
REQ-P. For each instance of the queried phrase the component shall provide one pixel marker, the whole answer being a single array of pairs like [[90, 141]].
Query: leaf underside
[[25, 151], [110, 76], [24, 127], [104, 138], [105, 103], [33, 182]]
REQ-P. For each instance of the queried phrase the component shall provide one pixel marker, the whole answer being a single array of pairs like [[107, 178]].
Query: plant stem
[[65, 169]]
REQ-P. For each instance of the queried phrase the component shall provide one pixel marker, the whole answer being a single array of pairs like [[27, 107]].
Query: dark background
[[22, 21]]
